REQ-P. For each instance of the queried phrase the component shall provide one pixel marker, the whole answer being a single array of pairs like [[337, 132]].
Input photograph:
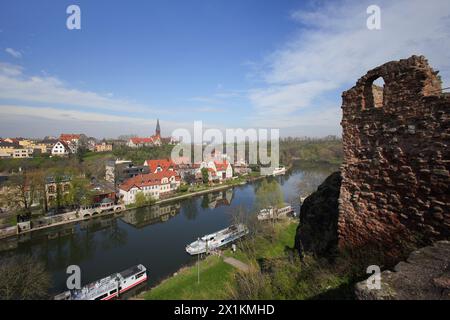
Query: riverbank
[[239, 181], [217, 278], [8, 232]]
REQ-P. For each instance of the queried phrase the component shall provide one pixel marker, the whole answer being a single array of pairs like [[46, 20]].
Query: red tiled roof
[[221, 166], [213, 173], [65, 144], [69, 137], [149, 179], [141, 140], [164, 164]]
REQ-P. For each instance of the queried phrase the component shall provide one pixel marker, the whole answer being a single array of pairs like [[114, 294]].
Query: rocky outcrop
[[317, 231], [424, 276]]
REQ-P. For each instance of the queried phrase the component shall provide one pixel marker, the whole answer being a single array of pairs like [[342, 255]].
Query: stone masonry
[[395, 176]]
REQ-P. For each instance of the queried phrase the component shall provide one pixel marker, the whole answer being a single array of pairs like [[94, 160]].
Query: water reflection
[[217, 199], [154, 236], [313, 174], [142, 217]]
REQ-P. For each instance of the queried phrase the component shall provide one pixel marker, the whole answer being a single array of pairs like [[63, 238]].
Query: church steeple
[[158, 129]]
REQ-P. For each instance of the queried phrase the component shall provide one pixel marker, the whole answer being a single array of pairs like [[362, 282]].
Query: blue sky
[[247, 63]]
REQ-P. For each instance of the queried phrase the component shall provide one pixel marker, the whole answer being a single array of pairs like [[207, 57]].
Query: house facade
[[217, 170], [154, 185], [61, 149], [72, 141], [103, 147], [13, 149], [7, 148], [55, 186], [21, 153]]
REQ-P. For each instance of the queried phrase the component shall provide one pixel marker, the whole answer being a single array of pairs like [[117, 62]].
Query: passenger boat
[[216, 240], [279, 171], [280, 213], [109, 287]]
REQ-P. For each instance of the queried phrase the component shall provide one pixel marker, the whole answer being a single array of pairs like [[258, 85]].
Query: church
[[153, 141]]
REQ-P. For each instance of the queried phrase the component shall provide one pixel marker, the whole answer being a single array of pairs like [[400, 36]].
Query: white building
[[23, 153], [61, 149], [154, 185], [222, 170]]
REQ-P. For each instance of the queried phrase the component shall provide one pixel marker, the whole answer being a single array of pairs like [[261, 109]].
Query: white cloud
[[333, 48], [44, 119], [14, 53], [281, 100], [15, 85]]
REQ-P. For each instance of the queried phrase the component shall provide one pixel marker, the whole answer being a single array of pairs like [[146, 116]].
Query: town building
[[72, 141], [21, 153], [46, 145], [120, 170], [7, 148], [103, 147], [11, 148], [218, 170], [102, 190], [153, 141], [142, 142], [154, 185], [61, 149], [57, 186], [159, 165]]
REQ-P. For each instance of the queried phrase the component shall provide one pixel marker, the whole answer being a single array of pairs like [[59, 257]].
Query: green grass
[[215, 275], [284, 237], [9, 221]]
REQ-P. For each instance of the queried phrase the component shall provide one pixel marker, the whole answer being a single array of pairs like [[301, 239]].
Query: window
[[374, 93], [102, 296]]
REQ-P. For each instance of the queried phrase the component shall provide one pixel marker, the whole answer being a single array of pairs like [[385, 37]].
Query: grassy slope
[[214, 277], [284, 237]]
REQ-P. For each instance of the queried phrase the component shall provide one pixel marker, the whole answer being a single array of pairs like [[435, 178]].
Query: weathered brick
[[395, 151]]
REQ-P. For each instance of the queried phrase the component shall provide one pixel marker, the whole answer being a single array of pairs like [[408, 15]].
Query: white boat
[[279, 171], [109, 287], [280, 213], [216, 240]]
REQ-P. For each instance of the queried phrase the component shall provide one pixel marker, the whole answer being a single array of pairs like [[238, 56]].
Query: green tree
[[268, 194], [205, 175], [80, 192], [140, 199]]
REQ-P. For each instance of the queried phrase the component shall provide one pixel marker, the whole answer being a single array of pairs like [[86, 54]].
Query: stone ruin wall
[[395, 175]]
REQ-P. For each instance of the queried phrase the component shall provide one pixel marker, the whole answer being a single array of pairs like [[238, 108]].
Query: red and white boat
[[109, 287]]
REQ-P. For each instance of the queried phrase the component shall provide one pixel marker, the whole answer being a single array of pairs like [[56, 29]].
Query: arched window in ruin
[[374, 93]]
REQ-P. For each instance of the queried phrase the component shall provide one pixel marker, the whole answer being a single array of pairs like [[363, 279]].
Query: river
[[153, 236]]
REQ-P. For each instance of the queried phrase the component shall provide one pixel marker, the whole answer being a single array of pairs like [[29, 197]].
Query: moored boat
[[108, 287], [280, 213], [279, 171], [216, 240]]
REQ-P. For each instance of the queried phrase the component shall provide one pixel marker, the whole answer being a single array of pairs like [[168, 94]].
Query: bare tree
[[23, 278]]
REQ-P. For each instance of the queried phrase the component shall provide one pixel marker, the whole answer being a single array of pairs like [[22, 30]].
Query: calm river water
[[154, 236]]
